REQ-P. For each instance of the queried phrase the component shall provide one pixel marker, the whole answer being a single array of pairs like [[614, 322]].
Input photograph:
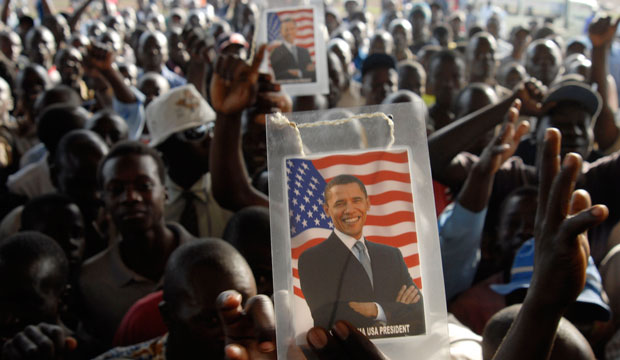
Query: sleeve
[[399, 313], [133, 113], [460, 234]]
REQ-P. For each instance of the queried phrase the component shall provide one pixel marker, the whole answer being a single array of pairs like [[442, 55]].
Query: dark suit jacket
[[331, 276], [282, 60]]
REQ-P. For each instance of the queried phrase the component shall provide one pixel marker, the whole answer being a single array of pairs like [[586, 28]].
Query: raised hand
[[504, 144], [234, 85], [249, 331], [99, 57], [602, 31], [562, 218], [531, 93]]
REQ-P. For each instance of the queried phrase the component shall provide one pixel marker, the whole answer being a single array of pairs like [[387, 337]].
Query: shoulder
[[323, 249]]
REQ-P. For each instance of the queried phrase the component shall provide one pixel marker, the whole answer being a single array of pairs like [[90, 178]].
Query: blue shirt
[[460, 234]]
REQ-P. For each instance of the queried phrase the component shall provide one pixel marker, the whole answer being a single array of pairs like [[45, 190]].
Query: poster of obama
[[296, 55], [354, 244]]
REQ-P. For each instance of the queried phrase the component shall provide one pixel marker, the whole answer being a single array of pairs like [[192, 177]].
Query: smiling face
[[347, 206]]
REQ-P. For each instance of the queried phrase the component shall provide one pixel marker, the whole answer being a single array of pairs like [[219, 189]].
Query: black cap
[[376, 61]]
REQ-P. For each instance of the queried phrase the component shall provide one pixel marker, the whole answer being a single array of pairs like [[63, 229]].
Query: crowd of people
[[134, 217]]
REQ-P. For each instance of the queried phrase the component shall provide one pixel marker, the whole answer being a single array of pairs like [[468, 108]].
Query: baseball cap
[[575, 91], [179, 109], [521, 277], [377, 60], [230, 39]]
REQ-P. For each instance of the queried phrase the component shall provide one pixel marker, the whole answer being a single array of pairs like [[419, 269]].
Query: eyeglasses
[[197, 133]]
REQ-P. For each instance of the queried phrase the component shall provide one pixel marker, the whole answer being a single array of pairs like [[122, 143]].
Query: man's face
[[409, 78], [69, 65], [542, 64], [27, 296], [32, 85], [401, 40], [66, 226], [446, 81], [482, 60], [347, 206], [76, 176], [41, 47], [575, 125], [289, 31], [516, 224], [154, 53], [133, 193], [11, 46], [378, 84]]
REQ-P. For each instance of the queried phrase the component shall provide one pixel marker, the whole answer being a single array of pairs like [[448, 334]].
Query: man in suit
[[291, 62], [349, 278]]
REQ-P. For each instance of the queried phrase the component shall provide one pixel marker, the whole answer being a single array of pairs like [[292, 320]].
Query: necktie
[[189, 217], [362, 256]]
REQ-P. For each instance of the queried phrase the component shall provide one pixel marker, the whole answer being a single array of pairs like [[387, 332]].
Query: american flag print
[[390, 220], [304, 18]]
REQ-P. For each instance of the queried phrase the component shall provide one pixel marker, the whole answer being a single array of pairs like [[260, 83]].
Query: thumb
[[584, 220]]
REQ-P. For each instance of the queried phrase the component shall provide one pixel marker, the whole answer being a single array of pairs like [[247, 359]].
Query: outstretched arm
[[234, 87], [99, 62], [602, 33], [561, 254], [447, 142], [461, 226], [77, 14], [6, 10]]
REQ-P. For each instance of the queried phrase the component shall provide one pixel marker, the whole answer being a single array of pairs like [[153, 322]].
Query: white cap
[[179, 109]]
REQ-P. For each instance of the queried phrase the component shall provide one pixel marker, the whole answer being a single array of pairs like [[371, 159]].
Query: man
[[379, 78], [195, 275], [181, 126], [289, 61], [347, 277], [131, 178]]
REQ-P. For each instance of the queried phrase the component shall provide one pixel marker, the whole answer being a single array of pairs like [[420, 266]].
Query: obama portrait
[[347, 277]]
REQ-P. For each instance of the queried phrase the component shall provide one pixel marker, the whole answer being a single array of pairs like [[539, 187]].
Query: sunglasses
[[197, 133]]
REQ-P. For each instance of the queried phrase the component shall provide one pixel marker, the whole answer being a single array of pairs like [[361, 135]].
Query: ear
[[326, 208], [164, 310]]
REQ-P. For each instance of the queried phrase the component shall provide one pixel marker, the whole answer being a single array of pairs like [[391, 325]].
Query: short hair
[[129, 147], [59, 94], [444, 55], [251, 224], [58, 120], [26, 247], [211, 253], [37, 209], [79, 142], [522, 191], [343, 180]]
